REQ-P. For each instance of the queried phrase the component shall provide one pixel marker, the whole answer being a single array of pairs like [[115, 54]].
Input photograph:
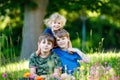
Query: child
[[55, 22], [69, 61], [46, 61]]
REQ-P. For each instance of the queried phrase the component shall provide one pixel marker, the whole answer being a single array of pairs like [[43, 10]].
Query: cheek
[[61, 24], [51, 47], [66, 41], [57, 42], [38, 44]]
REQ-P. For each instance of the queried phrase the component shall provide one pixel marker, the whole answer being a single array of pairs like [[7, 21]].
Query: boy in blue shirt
[[69, 61]]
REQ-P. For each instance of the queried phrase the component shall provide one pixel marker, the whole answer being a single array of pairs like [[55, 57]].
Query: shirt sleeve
[[57, 51], [79, 57], [57, 61], [32, 61], [48, 31]]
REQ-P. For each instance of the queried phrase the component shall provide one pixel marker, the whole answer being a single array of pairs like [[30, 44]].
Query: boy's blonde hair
[[61, 33], [55, 17], [48, 37]]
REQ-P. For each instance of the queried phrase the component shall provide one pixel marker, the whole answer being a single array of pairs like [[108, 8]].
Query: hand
[[71, 50], [38, 50]]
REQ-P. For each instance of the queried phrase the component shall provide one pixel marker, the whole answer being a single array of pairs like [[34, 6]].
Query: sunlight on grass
[[109, 60], [15, 67], [96, 57], [99, 57], [4, 23]]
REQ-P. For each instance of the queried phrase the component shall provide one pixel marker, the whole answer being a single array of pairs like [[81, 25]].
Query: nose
[[46, 44], [60, 41]]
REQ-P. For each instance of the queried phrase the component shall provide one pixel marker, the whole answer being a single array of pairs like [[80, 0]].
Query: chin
[[62, 47], [46, 51]]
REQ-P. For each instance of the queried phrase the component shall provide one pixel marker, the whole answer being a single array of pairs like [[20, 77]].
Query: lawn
[[103, 66]]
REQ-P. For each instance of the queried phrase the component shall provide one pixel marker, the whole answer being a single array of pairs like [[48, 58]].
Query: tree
[[33, 15], [33, 27]]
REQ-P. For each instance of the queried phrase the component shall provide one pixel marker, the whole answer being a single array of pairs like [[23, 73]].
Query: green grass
[[19, 68]]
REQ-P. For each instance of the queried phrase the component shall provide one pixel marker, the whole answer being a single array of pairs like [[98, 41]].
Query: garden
[[103, 66], [94, 28]]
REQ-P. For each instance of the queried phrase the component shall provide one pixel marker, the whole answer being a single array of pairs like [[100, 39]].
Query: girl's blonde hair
[[55, 17]]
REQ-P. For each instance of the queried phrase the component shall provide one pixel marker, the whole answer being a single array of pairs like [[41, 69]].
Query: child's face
[[45, 45], [56, 25], [62, 42]]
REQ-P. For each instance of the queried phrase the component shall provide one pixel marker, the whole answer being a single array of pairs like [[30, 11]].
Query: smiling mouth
[[46, 48], [61, 43], [57, 26]]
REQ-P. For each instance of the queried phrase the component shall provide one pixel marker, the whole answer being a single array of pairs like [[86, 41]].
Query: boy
[[43, 61], [69, 61]]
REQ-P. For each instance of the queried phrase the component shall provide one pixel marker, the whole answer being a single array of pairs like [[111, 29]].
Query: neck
[[65, 49], [44, 54]]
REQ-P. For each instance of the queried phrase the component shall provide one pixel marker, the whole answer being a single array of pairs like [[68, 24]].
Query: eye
[[43, 42], [58, 22], [54, 22], [49, 43], [63, 38], [58, 40]]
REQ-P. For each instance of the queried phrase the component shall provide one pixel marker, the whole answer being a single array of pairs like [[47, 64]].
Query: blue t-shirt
[[68, 59], [49, 31]]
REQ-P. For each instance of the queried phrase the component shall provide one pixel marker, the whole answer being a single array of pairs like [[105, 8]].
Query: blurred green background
[[102, 23]]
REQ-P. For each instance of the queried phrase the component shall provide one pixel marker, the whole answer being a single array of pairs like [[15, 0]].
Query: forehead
[[46, 40], [59, 37], [57, 21]]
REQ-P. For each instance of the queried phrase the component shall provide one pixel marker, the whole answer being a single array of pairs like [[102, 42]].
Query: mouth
[[46, 48], [61, 44], [56, 26]]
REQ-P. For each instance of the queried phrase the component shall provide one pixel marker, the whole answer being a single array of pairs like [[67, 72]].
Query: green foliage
[[101, 34], [10, 43], [12, 5], [104, 29], [13, 75], [101, 6], [97, 29], [108, 60]]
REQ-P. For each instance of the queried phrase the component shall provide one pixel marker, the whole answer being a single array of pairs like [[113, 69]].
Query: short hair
[[61, 33], [47, 37], [55, 17]]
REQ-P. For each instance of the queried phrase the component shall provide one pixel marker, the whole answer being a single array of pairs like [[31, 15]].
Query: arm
[[33, 72], [80, 53], [48, 31]]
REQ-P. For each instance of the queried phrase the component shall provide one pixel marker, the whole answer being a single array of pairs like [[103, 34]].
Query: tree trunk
[[33, 27]]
